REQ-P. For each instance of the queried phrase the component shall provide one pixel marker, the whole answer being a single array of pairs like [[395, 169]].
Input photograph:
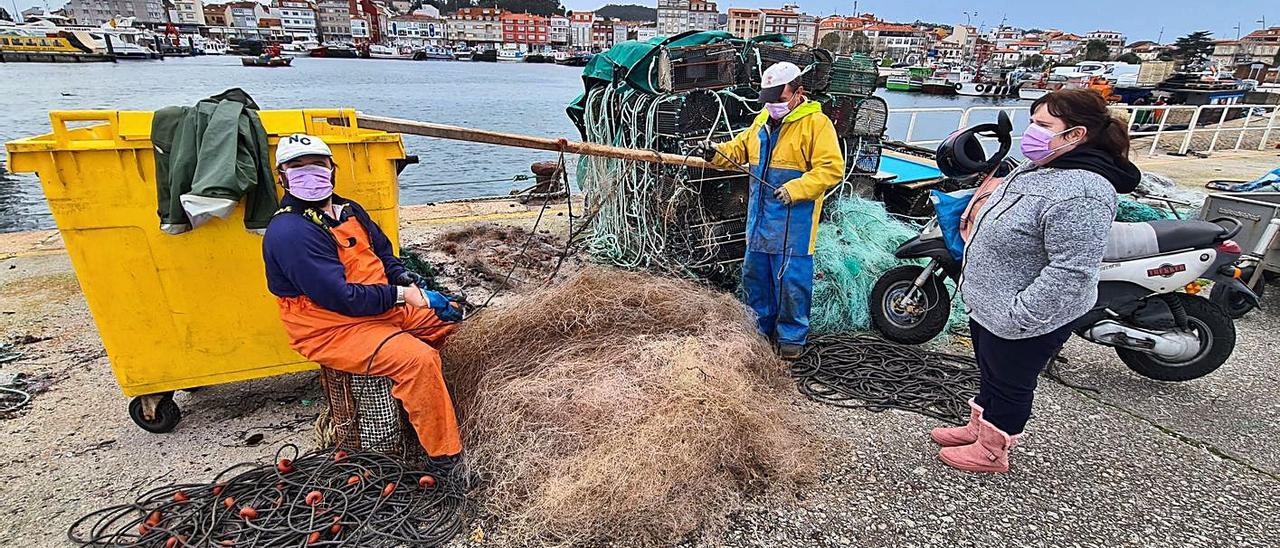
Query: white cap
[[776, 76], [300, 144]]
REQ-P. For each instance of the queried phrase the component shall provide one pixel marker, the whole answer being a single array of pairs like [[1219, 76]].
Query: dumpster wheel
[[163, 412]]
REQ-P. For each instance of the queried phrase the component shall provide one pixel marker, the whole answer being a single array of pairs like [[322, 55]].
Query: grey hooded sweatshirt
[[1032, 263]]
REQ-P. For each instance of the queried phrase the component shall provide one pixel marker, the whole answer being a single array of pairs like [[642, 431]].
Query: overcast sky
[[1138, 20]]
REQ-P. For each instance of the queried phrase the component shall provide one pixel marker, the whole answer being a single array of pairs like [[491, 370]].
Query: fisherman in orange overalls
[[347, 301]]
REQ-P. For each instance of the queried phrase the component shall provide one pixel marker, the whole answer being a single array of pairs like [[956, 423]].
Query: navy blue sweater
[[302, 259]]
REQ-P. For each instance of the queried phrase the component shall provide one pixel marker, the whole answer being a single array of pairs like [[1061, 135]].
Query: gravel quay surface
[[1136, 463]]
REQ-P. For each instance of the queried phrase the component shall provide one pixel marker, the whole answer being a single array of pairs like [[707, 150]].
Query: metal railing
[[1205, 128]]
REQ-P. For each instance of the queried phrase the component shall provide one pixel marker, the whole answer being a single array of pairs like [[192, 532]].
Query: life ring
[[980, 88], [959, 86]]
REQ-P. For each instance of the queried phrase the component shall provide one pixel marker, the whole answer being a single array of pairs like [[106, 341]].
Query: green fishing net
[[855, 246]]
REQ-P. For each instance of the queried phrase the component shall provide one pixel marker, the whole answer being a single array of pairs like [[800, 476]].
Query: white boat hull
[[1031, 94], [978, 89]]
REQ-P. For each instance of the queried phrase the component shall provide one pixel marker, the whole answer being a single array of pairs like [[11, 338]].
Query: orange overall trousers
[[409, 359]]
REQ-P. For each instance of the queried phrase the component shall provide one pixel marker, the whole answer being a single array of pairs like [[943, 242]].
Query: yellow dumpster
[[188, 310]]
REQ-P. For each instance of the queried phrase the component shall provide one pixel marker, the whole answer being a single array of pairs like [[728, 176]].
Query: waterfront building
[[529, 32], [97, 12], [844, 26], [297, 18], [703, 15], [673, 16], [619, 31], [215, 15], [744, 22], [948, 52], [787, 21], [677, 16], [1259, 46], [1005, 56], [1063, 42], [360, 28], [1114, 40], [601, 34], [806, 30], [965, 37], [417, 30], [558, 33], [335, 20], [475, 27], [245, 15], [580, 23], [903, 43], [1002, 37], [647, 32], [188, 12], [783, 21]]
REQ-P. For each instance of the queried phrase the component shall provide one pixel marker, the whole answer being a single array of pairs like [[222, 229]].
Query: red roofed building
[[898, 42], [525, 29], [1259, 46]]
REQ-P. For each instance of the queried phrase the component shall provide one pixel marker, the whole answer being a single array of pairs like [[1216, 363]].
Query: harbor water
[[519, 98]]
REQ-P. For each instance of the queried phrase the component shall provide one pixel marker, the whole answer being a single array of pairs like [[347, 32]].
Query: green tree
[[844, 43], [628, 12], [1033, 61], [1096, 50], [832, 42], [1193, 49], [535, 7], [1131, 58]]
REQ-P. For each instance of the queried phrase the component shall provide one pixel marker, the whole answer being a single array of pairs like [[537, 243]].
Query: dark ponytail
[[1087, 108]]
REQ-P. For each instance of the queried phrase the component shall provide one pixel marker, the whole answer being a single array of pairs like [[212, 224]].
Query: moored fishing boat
[[379, 51], [938, 86], [462, 54], [433, 53]]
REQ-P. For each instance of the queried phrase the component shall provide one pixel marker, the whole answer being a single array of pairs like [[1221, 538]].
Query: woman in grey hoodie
[[1032, 262]]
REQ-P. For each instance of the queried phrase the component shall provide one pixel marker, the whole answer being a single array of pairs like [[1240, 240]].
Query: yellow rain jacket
[[801, 155]]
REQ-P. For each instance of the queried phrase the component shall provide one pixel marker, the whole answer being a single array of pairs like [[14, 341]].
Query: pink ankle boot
[[990, 454], [959, 435]]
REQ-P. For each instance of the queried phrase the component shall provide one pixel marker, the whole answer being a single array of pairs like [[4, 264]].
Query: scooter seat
[[1176, 235], [1130, 241], [1136, 240]]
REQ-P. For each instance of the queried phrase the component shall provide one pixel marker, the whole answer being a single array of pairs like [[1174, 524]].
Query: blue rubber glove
[[443, 305]]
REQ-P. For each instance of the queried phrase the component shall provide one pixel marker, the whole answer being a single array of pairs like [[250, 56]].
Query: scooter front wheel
[[904, 314]]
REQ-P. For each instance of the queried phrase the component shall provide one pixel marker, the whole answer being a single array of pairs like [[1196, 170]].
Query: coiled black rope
[[866, 372], [323, 498]]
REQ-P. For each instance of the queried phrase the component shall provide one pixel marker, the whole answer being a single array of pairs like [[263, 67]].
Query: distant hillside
[[628, 12]]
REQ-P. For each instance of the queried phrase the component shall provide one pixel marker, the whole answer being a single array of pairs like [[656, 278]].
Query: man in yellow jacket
[[794, 157]]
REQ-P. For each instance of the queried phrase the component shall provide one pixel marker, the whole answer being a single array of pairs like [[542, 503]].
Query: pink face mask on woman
[[310, 183], [1035, 143]]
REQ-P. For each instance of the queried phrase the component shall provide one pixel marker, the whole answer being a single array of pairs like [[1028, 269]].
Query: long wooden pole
[[441, 131]]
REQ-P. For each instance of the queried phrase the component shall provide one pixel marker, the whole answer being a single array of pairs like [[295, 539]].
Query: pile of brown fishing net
[[623, 408]]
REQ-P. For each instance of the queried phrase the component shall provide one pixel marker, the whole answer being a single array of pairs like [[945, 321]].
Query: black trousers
[[1009, 369]]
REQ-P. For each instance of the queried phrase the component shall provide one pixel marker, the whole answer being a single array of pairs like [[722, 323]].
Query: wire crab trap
[[362, 414], [853, 75], [704, 67]]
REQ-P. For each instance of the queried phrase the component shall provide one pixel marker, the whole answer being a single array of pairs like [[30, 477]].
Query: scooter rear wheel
[[1217, 335], [909, 325]]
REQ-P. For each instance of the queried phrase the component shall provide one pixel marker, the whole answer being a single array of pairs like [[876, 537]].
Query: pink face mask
[[778, 111], [310, 183], [1035, 143]]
